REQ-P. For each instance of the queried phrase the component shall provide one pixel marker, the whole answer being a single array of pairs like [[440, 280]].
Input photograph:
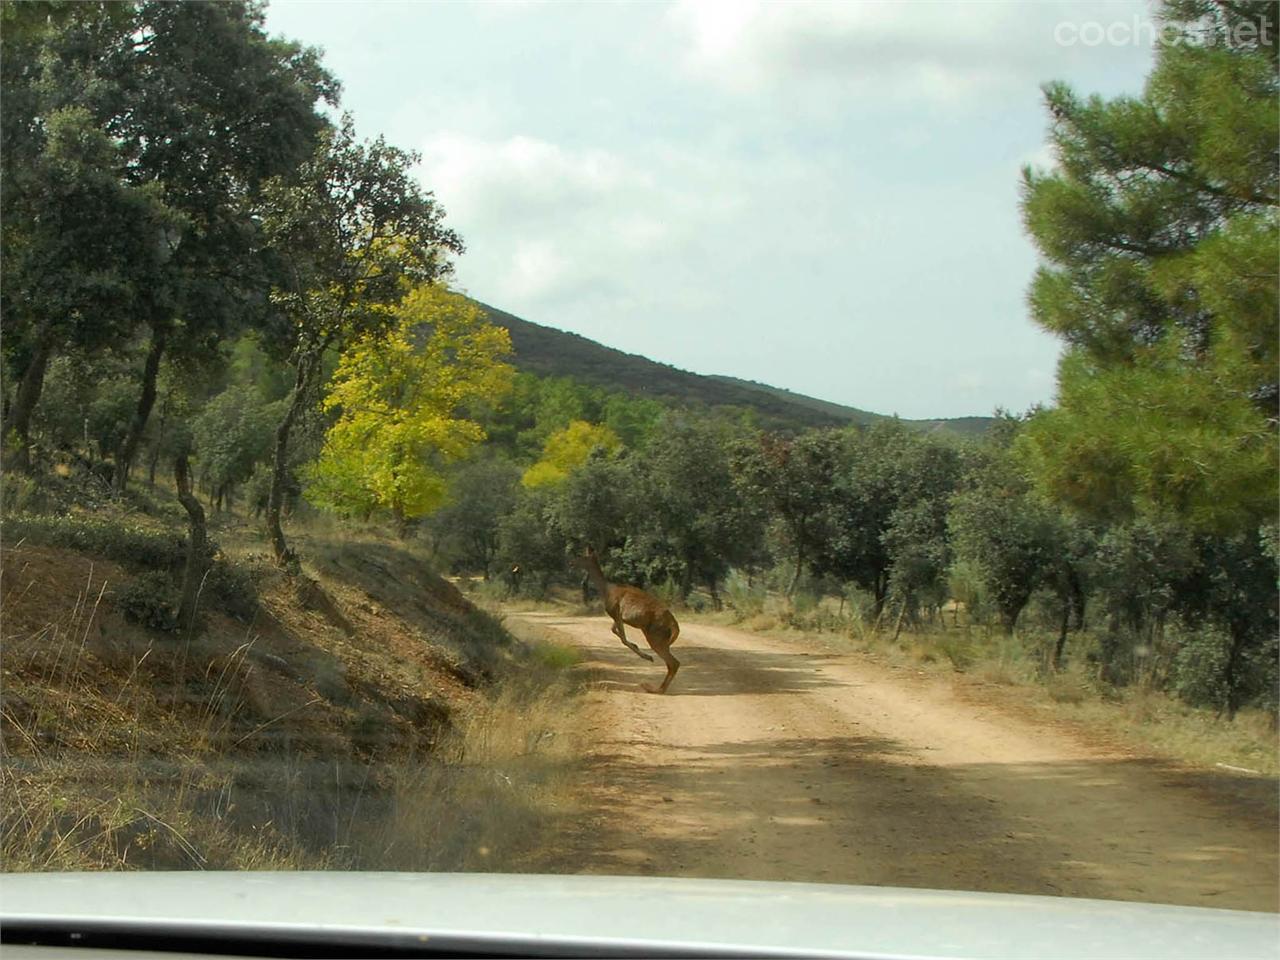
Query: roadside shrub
[[957, 649], [745, 599], [1200, 664], [668, 591], [1066, 686], [150, 600]]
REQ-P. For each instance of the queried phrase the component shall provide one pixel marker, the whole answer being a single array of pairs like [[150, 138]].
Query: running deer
[[636, 608]]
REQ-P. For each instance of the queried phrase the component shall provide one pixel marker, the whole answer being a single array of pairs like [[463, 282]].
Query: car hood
[[587, 915]]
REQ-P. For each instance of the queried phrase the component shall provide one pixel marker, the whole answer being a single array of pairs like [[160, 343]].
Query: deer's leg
[[620, 632], [663, 649]]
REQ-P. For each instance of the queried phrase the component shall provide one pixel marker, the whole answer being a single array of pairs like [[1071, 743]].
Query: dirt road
[[769, 760]]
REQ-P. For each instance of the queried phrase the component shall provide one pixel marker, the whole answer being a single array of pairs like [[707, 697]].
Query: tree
[[793, 478], [529, 536], [399, 395], [210, 108], [687, 514], [231, 435], [567, 449], [352, 232], [880, 474], [191, 107], [1155, 438], [592, 506], [1009, 535], [482, 492], [78, 242], [1160, 234]]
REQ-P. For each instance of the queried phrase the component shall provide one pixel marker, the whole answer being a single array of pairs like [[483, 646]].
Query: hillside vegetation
[[547, 352]]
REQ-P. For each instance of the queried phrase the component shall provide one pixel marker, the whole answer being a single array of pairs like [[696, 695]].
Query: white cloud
[[544, 221], [943, 52]]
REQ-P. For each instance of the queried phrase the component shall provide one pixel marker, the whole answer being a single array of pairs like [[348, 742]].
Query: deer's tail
[[674, 627]]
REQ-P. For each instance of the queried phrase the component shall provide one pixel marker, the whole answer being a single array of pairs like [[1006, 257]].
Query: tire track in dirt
[[772, 761]]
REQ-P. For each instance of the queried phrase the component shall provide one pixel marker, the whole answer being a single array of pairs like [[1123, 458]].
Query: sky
[[818, 196]]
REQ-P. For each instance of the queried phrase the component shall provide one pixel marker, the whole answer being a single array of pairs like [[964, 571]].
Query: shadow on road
[[860, 810]]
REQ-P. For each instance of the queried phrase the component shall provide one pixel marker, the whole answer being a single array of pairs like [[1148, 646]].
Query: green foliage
[[689, 520], [468, 526], [792, 480], [1006, 535], [228, 587], [1199, 667], [529, 536], [232, 434], [150, 600], [958, 649], [1161, 237], [966, 582], [745, 598], [1155, 438], [882, 523], [110, 539], [592, 505]]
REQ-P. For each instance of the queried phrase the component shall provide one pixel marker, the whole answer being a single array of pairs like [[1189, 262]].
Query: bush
[[19, 493], [151, 601], [232, 588], [1199, 666], [109, 539], [746, 600]]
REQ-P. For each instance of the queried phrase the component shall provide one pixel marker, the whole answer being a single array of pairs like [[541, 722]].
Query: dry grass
[[499, 788], [299, 744]]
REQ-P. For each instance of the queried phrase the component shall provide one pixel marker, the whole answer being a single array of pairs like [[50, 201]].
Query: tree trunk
[[1077, 597], [280, 460], [146, 401], [715, 594], [1062, 633], [18, 424], [1231, 698], [795, 577], [197, 545], [155, 453], [881, 588]]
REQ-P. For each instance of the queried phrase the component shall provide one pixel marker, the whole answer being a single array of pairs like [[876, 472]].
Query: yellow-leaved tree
[[569, 448], [400, 399]]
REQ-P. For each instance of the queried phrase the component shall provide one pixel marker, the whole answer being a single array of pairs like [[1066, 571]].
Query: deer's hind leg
[[620, 632], [661, 644]]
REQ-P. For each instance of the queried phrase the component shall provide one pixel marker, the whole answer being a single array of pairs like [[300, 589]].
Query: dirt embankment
[[772, 761], [270, 739]]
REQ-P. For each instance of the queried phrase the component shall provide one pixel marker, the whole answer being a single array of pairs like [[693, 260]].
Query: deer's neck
[[597, 577]]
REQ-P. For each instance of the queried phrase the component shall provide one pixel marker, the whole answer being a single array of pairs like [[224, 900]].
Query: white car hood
[[619, 916]]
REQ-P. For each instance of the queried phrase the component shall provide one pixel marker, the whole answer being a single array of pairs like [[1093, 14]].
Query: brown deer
[[636, 608]]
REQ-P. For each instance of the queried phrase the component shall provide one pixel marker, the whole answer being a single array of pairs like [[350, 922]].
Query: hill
[[548, 352]]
